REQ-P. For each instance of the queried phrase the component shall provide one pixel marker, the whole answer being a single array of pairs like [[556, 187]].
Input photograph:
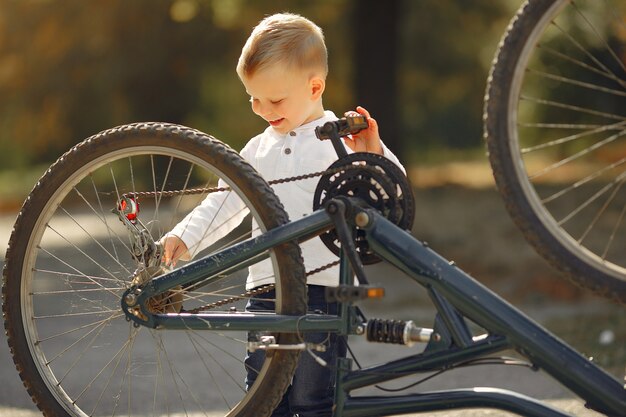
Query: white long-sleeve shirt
[[274, 156]]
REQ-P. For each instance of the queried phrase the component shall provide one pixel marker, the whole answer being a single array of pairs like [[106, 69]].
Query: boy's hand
[[367, 140], [173, 250]]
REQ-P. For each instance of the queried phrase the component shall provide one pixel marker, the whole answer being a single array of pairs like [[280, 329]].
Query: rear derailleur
[[148, 254]]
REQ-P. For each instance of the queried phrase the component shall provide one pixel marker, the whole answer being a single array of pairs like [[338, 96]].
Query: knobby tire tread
[[289, 257], [500, 157]]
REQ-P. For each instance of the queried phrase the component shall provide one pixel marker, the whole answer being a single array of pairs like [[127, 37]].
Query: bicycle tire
[[77, 369], [553, 96]]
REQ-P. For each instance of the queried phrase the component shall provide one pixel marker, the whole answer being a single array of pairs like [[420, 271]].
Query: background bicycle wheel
[[554, 126]]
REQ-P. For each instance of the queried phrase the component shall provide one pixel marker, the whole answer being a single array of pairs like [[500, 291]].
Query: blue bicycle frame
[[456, 296]]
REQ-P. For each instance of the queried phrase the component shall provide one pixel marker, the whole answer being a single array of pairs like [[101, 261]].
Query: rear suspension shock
[[397, 332]]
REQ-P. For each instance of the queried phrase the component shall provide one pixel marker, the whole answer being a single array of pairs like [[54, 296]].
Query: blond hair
[[287, 39]]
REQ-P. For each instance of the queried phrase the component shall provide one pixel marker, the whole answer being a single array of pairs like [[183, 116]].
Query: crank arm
[[336, 210]]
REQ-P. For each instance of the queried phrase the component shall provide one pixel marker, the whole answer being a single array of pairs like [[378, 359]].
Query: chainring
[[378, 182]]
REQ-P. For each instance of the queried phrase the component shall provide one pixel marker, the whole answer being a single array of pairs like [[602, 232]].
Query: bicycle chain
[[193, 191], [252, 293]]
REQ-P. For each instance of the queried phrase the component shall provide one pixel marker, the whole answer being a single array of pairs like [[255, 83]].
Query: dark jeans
[[311, 393]]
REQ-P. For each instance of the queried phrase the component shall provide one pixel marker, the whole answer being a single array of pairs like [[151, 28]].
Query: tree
[[375, 24]]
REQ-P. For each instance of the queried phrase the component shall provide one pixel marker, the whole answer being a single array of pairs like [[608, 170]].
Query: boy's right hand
[[174, 249]]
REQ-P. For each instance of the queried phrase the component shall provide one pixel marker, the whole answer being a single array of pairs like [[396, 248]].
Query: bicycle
[[554, 126], [97, 326]]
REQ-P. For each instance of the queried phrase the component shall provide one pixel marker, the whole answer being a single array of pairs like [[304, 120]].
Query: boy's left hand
[[367, 140]]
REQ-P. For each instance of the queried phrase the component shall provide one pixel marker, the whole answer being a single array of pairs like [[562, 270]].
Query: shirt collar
[[307, 127]]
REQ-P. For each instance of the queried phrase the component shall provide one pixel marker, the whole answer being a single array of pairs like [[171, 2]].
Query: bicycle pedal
[[267, 342], [350, 293]]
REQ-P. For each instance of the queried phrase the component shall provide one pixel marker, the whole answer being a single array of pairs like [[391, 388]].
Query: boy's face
[[285, 99]]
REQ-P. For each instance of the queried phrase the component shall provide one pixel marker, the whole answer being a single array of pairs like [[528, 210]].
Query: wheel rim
[[546, 193], [60, 353]]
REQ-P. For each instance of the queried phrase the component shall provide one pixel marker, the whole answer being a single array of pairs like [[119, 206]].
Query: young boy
[[283, 67]]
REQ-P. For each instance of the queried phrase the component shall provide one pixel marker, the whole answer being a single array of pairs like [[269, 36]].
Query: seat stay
[[209, 269]]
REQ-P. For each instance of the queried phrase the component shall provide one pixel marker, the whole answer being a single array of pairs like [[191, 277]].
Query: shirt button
[[287, 151], [292, 133]]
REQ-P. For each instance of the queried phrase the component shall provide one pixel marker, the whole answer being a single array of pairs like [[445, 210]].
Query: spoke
[[201, 295], [583, 181], [214, 278], [597, 195], [228, 353], [210, 229], [87, 313], [159, 196], [206, 188], [584, 50], [222, 350], [96, 323], [159, 376], [134, 190], [615, 126], [79, 272], [99, 329], [82, 252], [222, 293], [578, 109], [118, 196], [88, 290], [582, 64], [577, 155], [132, 174], [600, 212], [208, 368], [236, 239], [131, 338], [104, 219], [115, 257], [111, 256], [577, 83], [572, 126], [226, 336], [119, 356], [115, 188], [179, 201], [618, 222], [172, 373], [91, 278], [599, 36]]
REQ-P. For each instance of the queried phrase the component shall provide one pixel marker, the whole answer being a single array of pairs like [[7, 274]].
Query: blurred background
[[73, 68]]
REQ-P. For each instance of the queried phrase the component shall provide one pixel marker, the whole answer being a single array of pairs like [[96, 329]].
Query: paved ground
[[14, 401], [568, 406]]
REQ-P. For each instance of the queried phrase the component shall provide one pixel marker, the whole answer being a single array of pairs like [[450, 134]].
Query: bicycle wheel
[[69, 260], [555, 129]]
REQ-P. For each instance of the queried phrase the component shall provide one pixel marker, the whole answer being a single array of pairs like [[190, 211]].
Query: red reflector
[[129, 207]]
